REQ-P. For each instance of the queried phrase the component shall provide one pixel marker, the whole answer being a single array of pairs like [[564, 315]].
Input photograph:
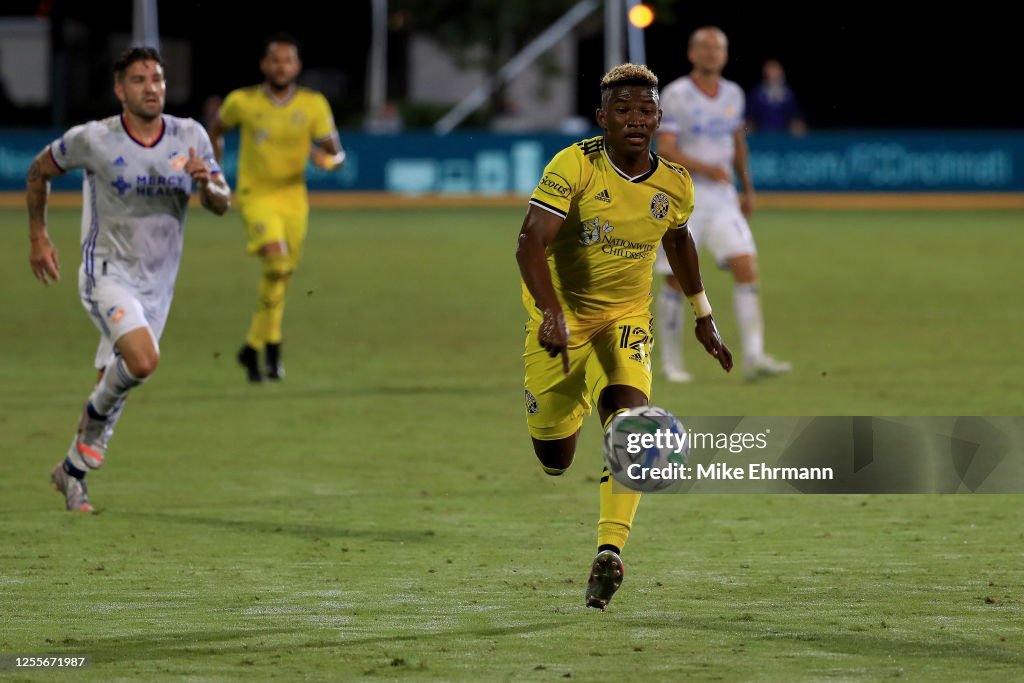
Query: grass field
[[379, 515]]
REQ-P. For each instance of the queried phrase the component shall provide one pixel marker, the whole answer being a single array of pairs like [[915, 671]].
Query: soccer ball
[[646, 448]]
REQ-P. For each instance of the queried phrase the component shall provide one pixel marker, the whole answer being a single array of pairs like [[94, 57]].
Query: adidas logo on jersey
[[120, 161], [603, 196]]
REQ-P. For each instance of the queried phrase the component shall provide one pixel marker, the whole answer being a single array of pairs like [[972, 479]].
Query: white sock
[[747, 302], [669, 323], [112, 417], [113, 386]]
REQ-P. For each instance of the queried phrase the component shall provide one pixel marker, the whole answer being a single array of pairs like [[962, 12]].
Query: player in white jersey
[[703, 130], [140, 169]]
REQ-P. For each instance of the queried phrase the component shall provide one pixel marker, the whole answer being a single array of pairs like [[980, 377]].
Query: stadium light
[[641, 16]]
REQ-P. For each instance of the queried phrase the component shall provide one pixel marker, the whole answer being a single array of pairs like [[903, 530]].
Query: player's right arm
[[217, 130], [666, 145], [228, 116], [43, 255], [539, 228]]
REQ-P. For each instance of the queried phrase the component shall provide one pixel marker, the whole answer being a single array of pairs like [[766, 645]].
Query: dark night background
[[851, 66]]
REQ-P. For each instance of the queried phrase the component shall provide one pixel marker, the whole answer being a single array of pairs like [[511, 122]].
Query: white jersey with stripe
[[135, 200], [703, 124]]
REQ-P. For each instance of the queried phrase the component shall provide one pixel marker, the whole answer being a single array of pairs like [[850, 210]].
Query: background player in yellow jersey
[[282, 125], [586, 253]]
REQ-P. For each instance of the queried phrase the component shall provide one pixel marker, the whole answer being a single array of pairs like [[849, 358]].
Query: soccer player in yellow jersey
[[282, 125], [586, 253]]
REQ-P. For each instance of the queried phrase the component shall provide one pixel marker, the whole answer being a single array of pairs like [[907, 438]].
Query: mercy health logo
[[159, 185], [121, 185]]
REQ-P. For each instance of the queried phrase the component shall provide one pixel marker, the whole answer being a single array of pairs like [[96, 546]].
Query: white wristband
[[701, 305]]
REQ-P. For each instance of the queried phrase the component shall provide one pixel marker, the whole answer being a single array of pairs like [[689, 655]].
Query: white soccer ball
[[646, 448]]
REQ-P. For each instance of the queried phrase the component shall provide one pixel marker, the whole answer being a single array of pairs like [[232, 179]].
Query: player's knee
[[555, 456], [618, 397], [143, 365], [744, 269], [277, 266]]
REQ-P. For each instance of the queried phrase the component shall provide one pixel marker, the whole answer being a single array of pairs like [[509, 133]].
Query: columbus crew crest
[[531, 403], [659, 205]]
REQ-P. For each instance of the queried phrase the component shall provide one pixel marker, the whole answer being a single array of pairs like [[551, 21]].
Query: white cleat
[[678, 376], [76, 493], [766, 366]]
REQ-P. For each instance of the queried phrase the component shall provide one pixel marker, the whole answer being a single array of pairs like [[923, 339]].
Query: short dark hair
[[137, 53], [281, 37], [628, 74]]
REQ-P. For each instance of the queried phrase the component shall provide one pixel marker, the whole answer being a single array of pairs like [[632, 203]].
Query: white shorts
[[718, 224], [116, 310]]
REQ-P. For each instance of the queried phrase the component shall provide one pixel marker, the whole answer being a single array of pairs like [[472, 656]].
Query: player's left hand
[[197, 168], [707, 335], [747, 204], [43, 259], [324, 160]]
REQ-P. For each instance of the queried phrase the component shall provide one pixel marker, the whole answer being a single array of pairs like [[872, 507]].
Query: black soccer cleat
[[605, 578], [249, 359], [274, 368]]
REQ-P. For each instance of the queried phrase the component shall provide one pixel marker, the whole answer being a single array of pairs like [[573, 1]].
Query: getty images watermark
[[821, 455]]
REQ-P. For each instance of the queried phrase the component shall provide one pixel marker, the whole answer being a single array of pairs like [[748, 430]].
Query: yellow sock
[[256, 337], [275, 310], [617, 509], [617, 512], [266, 321]]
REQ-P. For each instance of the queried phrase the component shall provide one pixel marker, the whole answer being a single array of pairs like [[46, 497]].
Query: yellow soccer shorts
[[276, 217], [618, 352]]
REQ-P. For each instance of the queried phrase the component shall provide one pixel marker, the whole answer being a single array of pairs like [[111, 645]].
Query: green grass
[[379, 515]]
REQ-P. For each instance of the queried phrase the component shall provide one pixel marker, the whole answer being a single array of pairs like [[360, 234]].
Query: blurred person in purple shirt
[[772, 105]]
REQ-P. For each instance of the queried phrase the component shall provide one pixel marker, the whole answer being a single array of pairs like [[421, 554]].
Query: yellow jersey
[[602, 258], [275, 136]]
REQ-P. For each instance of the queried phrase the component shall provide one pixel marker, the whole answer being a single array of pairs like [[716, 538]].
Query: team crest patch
[[177, 160], [531, 403], [115, 314], [659, 205]]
